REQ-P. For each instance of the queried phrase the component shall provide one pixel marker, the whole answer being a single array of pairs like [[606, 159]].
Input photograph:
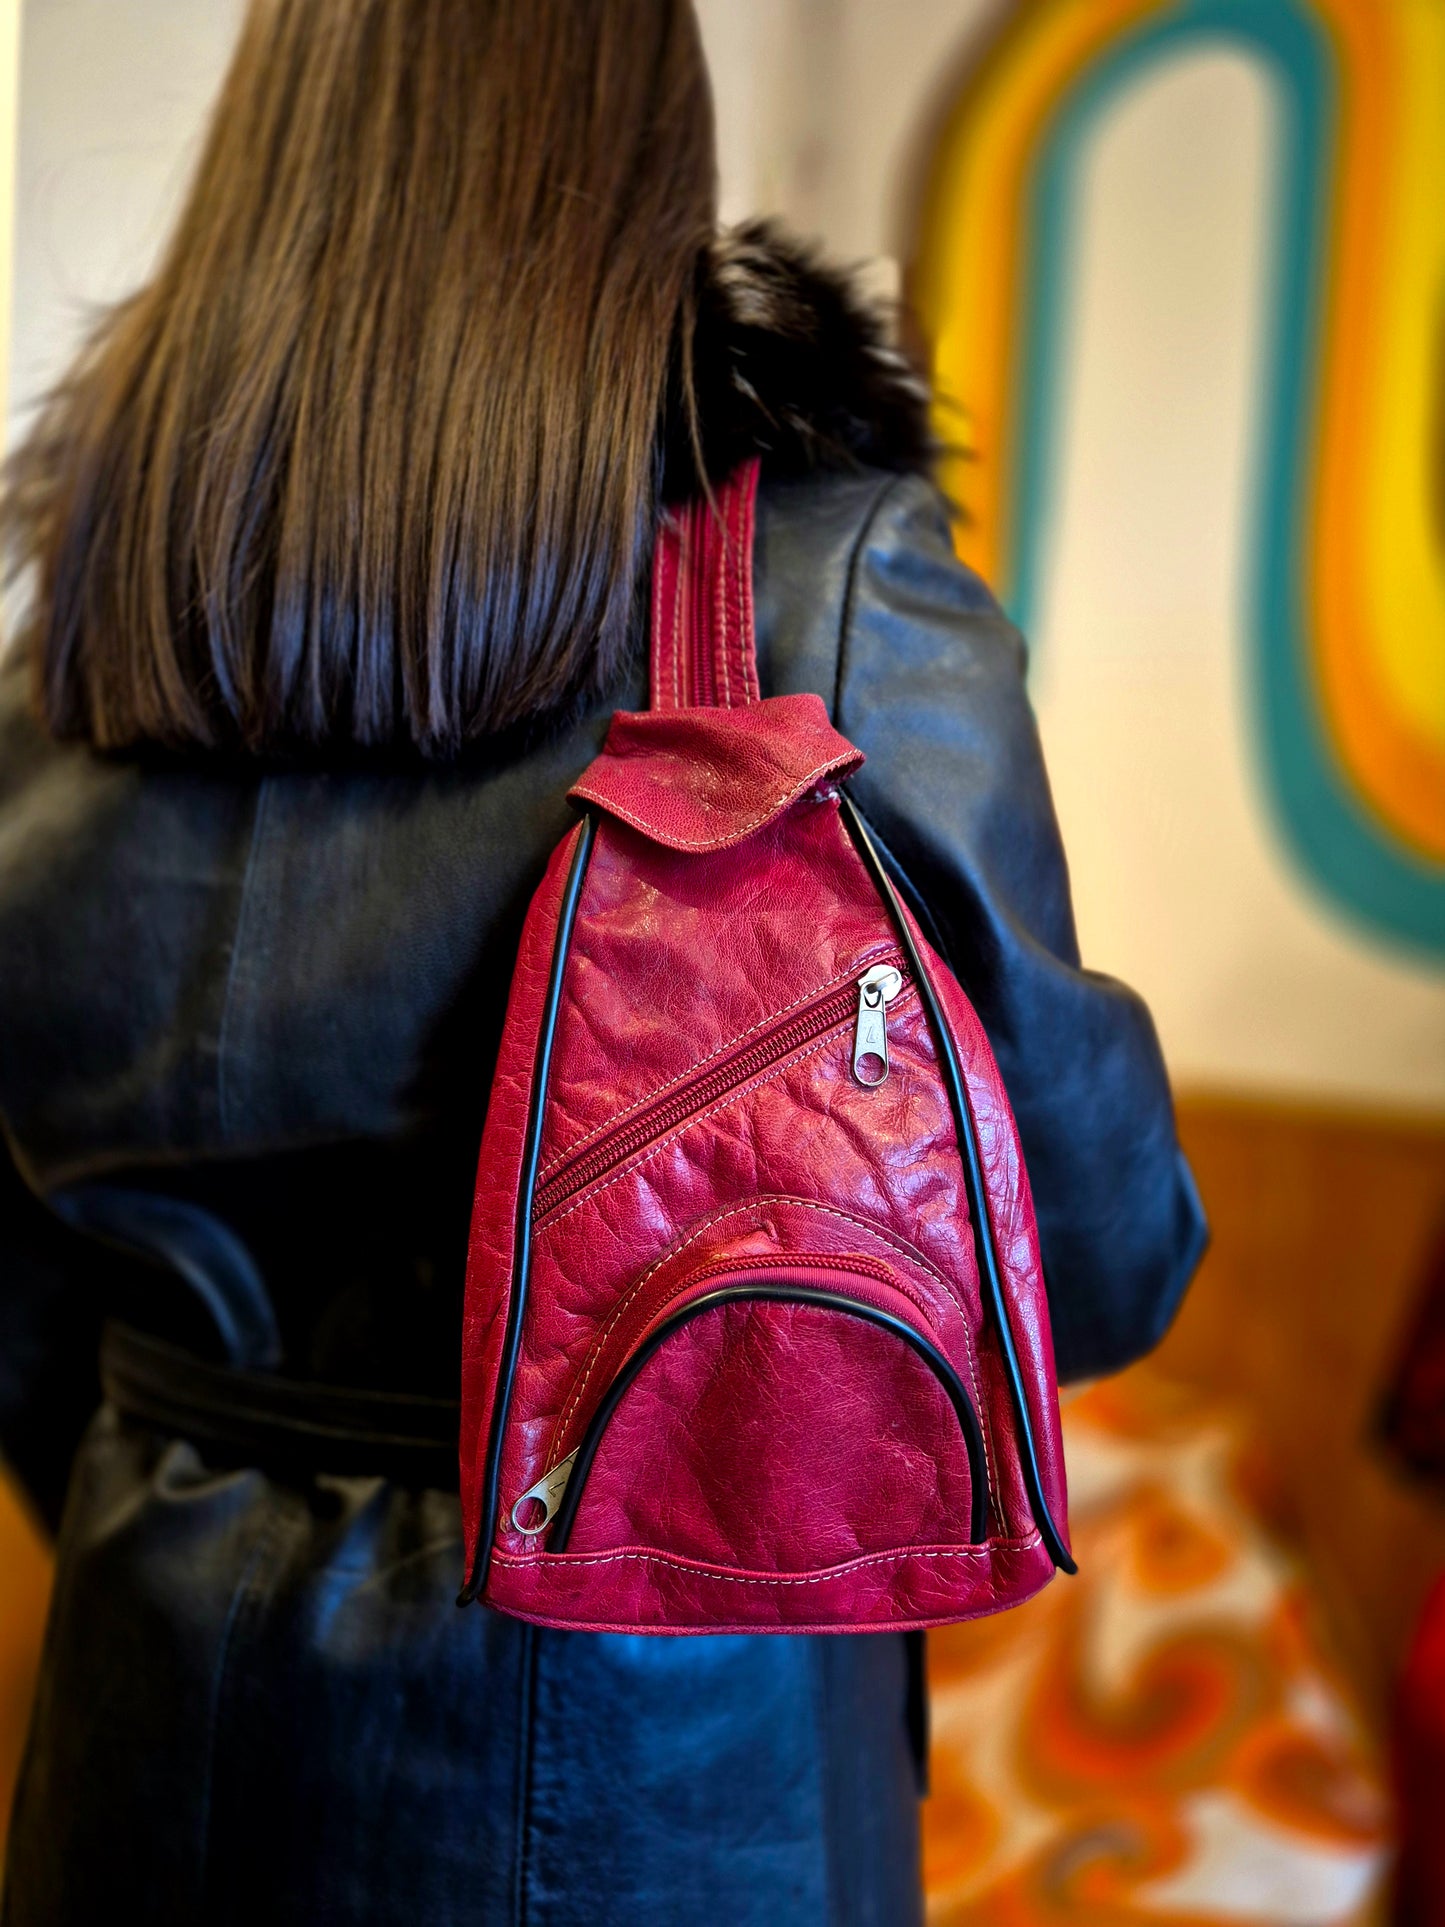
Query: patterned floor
[[1163, 1739]]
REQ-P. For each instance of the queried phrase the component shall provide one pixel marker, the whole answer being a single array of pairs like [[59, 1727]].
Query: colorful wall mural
[[1344, 623]]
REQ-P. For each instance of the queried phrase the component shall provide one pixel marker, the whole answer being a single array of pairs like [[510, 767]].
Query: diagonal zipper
[[829, 1012]]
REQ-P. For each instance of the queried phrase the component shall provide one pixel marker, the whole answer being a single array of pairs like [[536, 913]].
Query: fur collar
[[790, 363]]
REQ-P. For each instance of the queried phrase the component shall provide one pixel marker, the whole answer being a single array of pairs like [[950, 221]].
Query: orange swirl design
[[1135, 1744]]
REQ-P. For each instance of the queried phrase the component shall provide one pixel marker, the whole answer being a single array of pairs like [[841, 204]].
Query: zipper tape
[[987, 1257], [522, 1235], [711, 1083]]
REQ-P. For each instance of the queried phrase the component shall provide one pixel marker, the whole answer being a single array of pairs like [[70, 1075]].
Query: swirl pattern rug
[[1163, 1739]]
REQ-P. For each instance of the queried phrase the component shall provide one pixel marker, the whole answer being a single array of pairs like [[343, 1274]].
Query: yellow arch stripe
[[1377, 582], [965, 285]]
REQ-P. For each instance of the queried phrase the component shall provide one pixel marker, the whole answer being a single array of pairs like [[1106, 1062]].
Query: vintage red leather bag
[[755, 1333]]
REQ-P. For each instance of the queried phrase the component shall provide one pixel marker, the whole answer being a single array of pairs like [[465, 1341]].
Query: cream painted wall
[[112, 98], [819, 103], [9, 99]]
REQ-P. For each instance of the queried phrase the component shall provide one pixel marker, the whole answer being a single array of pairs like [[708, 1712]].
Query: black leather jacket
[[247, 1017], [247, 1022]]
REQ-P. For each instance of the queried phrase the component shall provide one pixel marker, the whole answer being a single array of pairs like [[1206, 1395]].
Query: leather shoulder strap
[[703, 653]]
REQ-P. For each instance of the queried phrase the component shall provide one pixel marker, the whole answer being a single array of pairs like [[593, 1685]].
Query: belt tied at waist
[[265, 1420]]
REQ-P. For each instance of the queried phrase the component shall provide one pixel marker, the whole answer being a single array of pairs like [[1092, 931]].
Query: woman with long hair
[[337, 540]]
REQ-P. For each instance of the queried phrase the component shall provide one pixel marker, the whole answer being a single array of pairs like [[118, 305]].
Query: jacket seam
[[828, 1789], [246, 1591], [526, 1772], [945, 945], [243, 922], [886, 490]]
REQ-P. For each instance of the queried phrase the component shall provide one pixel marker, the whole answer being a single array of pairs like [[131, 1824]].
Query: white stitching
[[679, 582], [807, 1204], [701, 1570], [742, 641], [732, 835], [830, 983], [682, 542], [735, 556], [672, 537], [846, 1217], [900, 1245], [659, 563], [745, 590], [724, 612], [650, 1151], [723, 627], [824, 1261]]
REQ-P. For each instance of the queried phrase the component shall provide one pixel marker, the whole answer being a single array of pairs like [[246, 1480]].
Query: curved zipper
[[828, 1012], [987, 1256], [580, 1462], [522, 1227]]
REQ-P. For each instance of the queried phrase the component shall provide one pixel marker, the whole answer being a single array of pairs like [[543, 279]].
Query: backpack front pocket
[[784, 1415]]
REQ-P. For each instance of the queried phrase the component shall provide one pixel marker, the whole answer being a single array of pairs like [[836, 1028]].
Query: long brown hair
[[373, 458]]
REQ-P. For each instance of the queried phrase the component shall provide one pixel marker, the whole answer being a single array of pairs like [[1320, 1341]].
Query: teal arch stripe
[[1348, 855]]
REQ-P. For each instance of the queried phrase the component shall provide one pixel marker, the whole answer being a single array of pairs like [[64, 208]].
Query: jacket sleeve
[[49, 1333], [931, 689]]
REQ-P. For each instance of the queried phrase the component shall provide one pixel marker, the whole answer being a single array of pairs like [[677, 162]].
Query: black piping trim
[[973, 1178], [905, 887], [522, 1235], [813, 1295]]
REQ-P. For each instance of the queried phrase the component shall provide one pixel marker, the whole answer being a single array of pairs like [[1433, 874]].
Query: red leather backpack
[[755, 1333]]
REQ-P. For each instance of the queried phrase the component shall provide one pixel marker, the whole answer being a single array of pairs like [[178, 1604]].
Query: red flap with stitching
[[702, 779]]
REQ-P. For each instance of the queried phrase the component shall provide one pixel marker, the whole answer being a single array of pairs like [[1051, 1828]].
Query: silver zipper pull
[[548, 1493], [876, 990]]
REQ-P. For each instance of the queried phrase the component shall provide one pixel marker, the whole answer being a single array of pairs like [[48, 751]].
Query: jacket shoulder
[[831, 548]]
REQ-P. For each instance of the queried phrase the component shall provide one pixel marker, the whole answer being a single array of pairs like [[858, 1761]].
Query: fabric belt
[[290, 1423]]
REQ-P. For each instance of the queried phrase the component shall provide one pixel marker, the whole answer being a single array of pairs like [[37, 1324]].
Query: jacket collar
[[790, 363]]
